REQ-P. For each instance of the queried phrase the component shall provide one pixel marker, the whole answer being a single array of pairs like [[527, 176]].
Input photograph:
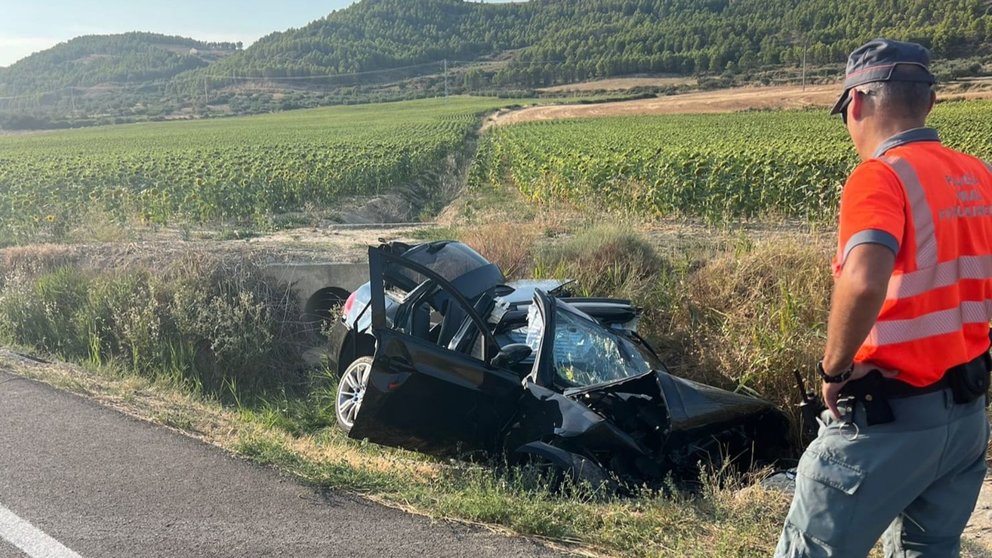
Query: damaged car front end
[[563, 381]]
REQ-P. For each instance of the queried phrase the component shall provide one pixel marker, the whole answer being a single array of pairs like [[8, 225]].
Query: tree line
[[560, 41], [128, 58]]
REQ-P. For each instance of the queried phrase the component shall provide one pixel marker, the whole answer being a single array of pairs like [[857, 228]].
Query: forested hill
[[568, 40], [91, 60], [393, 49]]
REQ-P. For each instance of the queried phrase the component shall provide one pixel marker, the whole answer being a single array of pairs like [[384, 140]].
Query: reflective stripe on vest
[[888, 332], [930, 275], [926, 241], [943, 274]]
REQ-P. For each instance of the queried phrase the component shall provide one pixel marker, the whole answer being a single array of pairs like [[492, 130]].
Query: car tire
[[559, 467], [351, 391]]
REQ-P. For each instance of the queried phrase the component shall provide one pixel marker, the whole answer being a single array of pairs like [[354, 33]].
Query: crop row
[[743, 165], [233, 169]]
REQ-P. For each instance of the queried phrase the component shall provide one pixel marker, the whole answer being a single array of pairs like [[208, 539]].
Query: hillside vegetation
[[396, 49], [125, 70], [96, 59], [574, 40]]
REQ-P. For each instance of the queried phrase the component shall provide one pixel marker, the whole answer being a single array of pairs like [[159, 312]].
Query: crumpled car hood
[[671, 421]]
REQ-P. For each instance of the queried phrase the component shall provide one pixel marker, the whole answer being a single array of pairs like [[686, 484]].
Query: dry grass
[[604, 260], [508, 245], [726, 100], [757, 313], [36, 258]]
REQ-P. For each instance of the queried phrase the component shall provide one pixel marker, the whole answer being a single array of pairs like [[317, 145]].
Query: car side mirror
[[511, 354]]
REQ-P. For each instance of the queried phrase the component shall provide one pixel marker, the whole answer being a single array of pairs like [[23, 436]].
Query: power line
[[325, 76]]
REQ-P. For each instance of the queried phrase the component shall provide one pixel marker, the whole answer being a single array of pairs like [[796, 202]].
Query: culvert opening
[[323, 307]]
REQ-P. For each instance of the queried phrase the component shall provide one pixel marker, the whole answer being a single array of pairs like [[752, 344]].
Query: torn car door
[[421, 394]]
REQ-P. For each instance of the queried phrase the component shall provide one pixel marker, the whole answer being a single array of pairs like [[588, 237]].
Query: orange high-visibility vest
[[939, 301]]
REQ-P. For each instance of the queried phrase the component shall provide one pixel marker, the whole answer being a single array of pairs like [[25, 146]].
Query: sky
[[28, 26]]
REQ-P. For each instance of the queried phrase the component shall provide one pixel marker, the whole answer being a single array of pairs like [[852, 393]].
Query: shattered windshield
[[586, 353]]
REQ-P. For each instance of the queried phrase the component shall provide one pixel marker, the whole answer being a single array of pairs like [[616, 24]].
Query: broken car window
[[535, 327], [587, 354]]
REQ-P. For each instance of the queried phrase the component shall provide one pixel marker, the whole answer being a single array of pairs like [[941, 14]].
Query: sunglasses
[[843, 109], [847, 103]]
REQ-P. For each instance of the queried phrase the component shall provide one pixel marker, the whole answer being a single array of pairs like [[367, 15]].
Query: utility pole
[[206, 98], [446, 78], [72, 99], [805, 46]]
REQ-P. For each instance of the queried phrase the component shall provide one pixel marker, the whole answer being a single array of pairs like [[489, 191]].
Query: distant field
[[735, 99], [699, 102], [226, 169], [747, 164]]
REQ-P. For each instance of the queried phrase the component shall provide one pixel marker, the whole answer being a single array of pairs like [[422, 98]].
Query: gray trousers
[[915, 480]]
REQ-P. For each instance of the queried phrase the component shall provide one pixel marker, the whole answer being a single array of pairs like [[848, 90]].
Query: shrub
[[215, 324], [508, 245], [741, 317], [604, 261], [757, 313], [39, 312]]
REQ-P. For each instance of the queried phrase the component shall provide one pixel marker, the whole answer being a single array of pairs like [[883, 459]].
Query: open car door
[[423, 393]]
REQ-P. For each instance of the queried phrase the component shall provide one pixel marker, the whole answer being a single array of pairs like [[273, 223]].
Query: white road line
[[29, 538]]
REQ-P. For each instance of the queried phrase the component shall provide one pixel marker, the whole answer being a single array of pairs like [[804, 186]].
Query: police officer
[[901, 451]]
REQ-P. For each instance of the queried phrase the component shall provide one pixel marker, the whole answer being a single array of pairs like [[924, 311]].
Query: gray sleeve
[[871, 236]]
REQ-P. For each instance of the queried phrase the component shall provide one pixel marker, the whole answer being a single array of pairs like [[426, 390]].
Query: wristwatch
[[839, 378]]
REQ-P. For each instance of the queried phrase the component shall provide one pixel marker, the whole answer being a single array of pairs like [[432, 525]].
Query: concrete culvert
[[323, 306]]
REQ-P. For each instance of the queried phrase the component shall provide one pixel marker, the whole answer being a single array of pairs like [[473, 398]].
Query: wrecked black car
[[463, 367], [350, 336]]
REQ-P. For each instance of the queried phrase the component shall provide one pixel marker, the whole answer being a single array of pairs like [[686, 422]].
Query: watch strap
[[839, 378]]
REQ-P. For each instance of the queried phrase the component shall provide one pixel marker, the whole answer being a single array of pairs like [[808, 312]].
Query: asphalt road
[[80, 479]]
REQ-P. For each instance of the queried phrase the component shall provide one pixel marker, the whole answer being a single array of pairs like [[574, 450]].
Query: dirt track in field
[[725, 100], [618, 84]]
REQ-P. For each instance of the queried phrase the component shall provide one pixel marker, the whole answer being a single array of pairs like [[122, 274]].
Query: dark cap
[[885, 60]]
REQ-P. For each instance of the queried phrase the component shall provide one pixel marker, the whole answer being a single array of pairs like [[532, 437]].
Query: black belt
[[895, 389], [966, 382]]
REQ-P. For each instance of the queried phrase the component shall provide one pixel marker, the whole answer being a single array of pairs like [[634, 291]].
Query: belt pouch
[[870, 392], [970, 381]]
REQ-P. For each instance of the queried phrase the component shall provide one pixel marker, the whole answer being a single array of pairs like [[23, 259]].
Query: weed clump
[[741, 318], [214, 325], [604, 260], [508, 245], [758, 312]]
